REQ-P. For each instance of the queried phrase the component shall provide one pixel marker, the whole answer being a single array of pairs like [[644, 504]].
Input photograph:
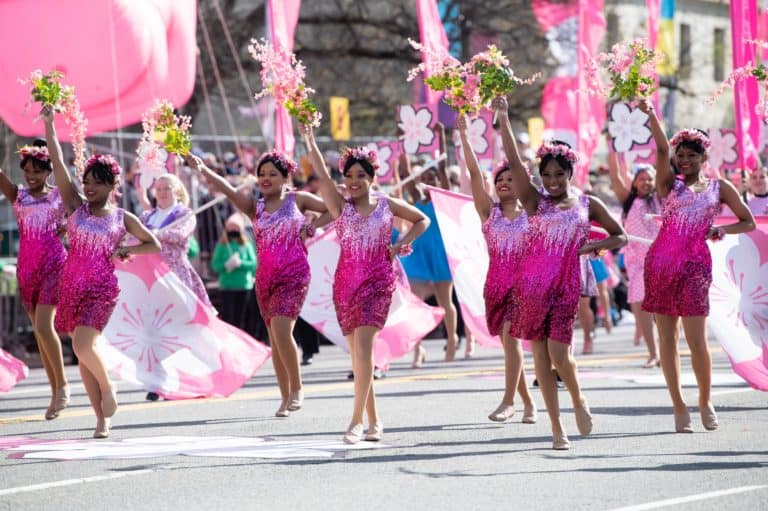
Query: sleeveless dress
[[428, 262], [678, 267], [758, 205], [175, 243], [505, 239], [365, 278], [41, 252], [552, 278], [637, 224], [89, 290], [282, 276]]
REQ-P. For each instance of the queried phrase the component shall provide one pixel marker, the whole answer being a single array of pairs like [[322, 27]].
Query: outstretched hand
[[193, 161], [46, 113], [461, 122], [305, 130], [500, 104], [645, 105]]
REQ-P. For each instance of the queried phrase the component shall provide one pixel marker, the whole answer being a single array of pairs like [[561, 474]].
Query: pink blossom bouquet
[[283, 76], [48, 90], [166, 128], [757, 71], [631, 67], [495, 77]]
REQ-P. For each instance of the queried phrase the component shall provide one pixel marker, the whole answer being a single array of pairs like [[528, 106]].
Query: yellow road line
[[312, 389]]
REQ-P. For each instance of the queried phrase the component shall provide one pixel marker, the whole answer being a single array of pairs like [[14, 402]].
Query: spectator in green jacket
[[234, 259]]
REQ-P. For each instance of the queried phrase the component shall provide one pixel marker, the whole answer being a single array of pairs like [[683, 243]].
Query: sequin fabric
[[282, 276], [365, 279], [551, 282], [41, 253], [175, 244], [678, 267], [89, 289], [505, 239], [637, 224]]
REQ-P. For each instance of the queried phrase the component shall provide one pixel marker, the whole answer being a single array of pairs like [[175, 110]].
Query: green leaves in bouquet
[[177, 141], [49, 91]]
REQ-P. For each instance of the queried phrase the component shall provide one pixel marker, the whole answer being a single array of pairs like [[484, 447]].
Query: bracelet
[[309, 230], [405, 250], [122, 253], [719, 234]]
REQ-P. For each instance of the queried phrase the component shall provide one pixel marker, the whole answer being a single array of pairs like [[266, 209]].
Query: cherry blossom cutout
[[628, 127]]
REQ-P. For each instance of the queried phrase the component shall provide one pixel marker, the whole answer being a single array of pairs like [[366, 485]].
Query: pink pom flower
[[284, 161], [360, 154], [549, 147], [105, 159], [38, 153], [689, 135]]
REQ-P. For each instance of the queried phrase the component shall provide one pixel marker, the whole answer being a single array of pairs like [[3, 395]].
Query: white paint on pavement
[[70, 482], [691, 498]]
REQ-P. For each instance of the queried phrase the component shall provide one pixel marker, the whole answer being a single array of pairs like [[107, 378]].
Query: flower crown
[[689, 135], [104, 159], [555, 149], [359, 154], [280, 159], [36, 152]]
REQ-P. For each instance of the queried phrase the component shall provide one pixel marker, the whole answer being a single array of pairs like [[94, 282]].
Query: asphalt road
[[439, 449]]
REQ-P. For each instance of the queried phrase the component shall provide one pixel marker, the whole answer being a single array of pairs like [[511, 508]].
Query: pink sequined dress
[[505, 239], [175, 242], [365, 278], [637, 224], [551, 283], [89, 289], [282, 275], [678, 267], [41, 252]]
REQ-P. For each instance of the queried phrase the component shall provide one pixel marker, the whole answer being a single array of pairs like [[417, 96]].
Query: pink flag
[[432, 35], [745, 92], [409, 320], [12, 371], [417, 123], [654, 20], [282, 17], [163, 337], [739, 301], [389, 152]]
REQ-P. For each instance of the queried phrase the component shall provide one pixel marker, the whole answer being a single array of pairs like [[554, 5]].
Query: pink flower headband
[[555, 149], [36, 152], [689, 135], [359, 154], [104, 159], [279, 159]]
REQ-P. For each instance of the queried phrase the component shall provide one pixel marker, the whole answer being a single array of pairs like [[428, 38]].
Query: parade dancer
[[548, 292], [88, 290], [505, 225], [365, 277], [282, 273], [678, 266], [41, 216], [639, 202]]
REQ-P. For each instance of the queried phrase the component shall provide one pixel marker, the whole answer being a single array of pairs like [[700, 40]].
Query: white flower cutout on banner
[[739, 296], [152, 337], [476, 135], [627, 127], [416, 127], [151, 160], [638, 156], [385, 153], [723, 148]]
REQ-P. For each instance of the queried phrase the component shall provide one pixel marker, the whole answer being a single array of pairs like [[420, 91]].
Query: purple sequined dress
[[637, 224], [175, 243], [89, 289], [551, 282], [505, 239], [282, 275], [41, 253], [678, 267], [365, 279]]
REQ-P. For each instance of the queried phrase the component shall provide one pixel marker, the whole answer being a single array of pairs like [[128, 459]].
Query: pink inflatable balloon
[[151, 42]]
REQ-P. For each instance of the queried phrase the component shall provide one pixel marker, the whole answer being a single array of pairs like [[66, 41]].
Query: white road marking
[[691, 498], [70, 482]]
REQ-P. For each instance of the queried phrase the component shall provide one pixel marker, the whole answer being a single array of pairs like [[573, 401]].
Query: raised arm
[[404, 168], [616, 236], [730, 197], [8, 188], [442, 175], [141, 194], [619, 185], [69, 195], [149, 243], [483, 201], [418, 220], [664, 176], [334, 201], [528, 194], [244, 203]]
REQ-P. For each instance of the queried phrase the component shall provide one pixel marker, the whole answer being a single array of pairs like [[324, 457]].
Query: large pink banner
[[745, 94], [282, 17], [432, 35], [654, 19], [12, 371]]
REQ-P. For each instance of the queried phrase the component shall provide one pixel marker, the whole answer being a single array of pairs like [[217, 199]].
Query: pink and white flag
[[738, 298], [409, 320], [417, 123], [389, 152], [12, 371], [746, 93], [163, 337], [433, 37]]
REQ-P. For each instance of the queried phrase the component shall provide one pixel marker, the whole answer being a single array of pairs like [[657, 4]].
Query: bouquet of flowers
[[471, 86], [283, 76], [631, 67], [167, 129], [48, 90], [758, 71]]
